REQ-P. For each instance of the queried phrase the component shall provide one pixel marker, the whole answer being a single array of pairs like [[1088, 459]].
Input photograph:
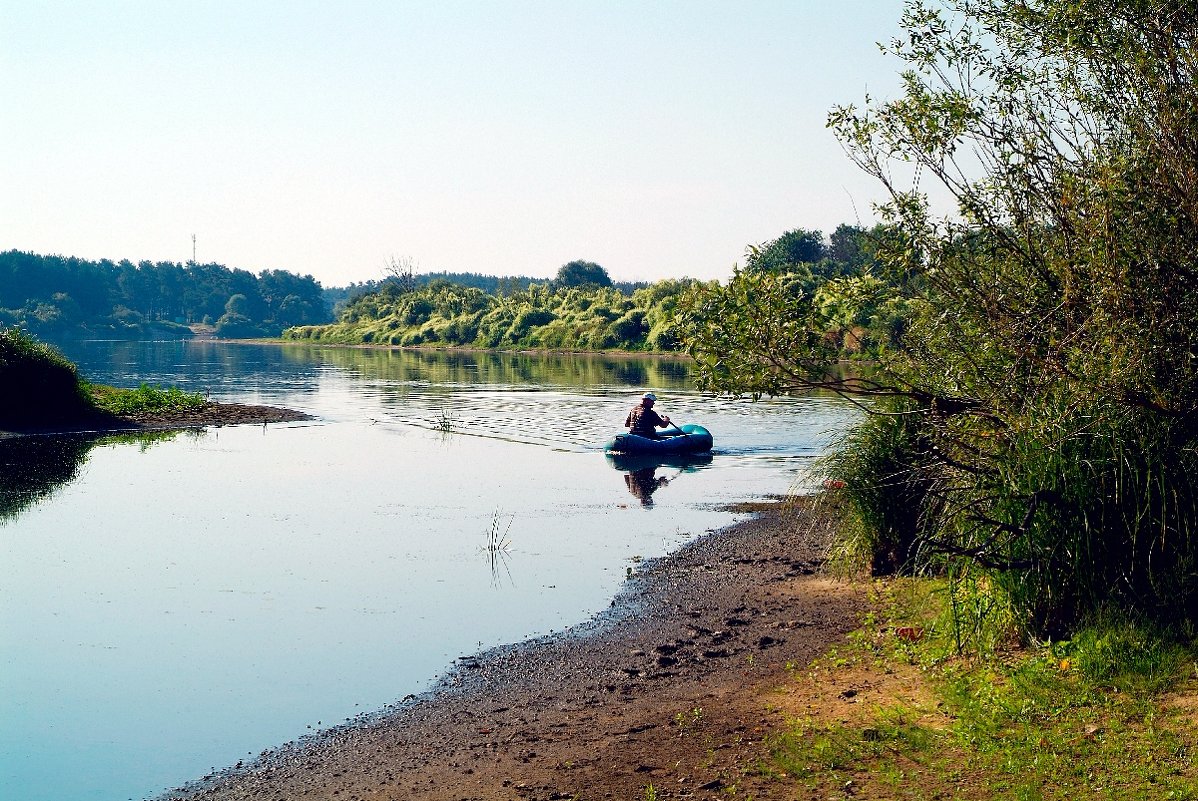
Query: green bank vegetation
[[900, 714], [42, 388], [542, 316], [581, 309]]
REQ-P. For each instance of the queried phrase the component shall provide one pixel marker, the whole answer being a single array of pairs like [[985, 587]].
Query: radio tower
[[193, 248]]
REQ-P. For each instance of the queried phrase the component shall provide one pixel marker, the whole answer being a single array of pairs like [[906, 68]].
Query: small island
[[44, 394]]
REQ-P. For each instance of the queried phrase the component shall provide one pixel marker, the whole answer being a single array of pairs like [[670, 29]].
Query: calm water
[[174, 604]]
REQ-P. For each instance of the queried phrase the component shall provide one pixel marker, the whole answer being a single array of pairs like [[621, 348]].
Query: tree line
[[581, 308], [337, 298], [57, 296]]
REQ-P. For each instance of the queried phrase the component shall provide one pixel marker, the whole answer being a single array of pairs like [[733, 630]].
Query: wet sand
[[671, 687]]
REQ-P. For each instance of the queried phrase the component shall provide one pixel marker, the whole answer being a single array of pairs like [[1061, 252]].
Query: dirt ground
[[210, 414], [675, 686], [217, 414]]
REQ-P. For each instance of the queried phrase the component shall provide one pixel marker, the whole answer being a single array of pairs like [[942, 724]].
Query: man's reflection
[[643, 483]]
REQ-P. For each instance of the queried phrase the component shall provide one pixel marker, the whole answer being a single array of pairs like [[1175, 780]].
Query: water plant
[[497, 533], [497, 545]]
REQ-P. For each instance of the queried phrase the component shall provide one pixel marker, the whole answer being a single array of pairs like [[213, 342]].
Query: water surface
[[176, 603]]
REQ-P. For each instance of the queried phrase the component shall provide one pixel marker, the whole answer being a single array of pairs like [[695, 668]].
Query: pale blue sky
[[656, 138]]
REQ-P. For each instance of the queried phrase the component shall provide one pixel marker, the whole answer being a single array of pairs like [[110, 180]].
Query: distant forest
[[57, 296]]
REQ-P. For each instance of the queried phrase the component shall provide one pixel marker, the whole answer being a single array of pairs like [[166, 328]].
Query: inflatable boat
[[687, 439]]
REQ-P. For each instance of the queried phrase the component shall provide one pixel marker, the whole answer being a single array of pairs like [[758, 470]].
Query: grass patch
[[143, 400], [899, 713]]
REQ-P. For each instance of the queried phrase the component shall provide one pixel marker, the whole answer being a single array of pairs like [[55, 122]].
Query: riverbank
[[209, 413], [670, 687]]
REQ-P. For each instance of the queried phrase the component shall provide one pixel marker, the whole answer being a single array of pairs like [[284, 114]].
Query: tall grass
[[880, 473], [1055, 517]]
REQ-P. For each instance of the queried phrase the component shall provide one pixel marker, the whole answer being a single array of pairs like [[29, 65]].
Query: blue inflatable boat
[[687, 439]]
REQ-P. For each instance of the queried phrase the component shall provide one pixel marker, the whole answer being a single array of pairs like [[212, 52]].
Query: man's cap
[[649, 396]]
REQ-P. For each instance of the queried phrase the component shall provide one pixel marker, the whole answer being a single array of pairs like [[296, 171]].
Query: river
[[176, 603]]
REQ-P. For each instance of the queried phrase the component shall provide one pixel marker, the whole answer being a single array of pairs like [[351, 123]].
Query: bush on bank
[[42, 388], [39, 383]]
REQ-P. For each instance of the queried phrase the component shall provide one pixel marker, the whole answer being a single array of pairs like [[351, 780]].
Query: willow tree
[[1044, 397]]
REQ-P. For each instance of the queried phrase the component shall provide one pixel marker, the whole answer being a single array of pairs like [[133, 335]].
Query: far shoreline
[[625, 354]]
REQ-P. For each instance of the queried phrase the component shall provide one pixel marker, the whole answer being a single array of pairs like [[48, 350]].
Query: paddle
[[679, 430]]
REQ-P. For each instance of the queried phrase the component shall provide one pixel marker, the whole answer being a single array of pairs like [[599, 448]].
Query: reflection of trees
[[631, 373], [485, 367], [34, 468]]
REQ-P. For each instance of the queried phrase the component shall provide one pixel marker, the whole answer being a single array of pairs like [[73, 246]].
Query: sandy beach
[[670, 687]]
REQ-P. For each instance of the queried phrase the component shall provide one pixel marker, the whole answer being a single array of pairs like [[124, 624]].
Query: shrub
[[39, 384]]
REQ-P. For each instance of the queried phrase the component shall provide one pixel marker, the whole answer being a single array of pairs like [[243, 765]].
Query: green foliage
[[1044, 338], [881, 473], [1094, 716], [582, 273], [39, 384], [143, 400], [787, 252], [779, 325], [440, 313]]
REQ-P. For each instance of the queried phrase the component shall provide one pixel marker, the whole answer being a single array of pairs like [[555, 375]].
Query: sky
[[657, 138]]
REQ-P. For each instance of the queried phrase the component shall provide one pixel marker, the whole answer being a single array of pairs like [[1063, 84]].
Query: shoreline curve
[[692, 644]]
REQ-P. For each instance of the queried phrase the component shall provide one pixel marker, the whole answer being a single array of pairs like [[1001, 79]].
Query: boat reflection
[[640, 470]]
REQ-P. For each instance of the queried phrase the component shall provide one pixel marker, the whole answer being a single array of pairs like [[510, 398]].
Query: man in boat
[[643, 421]]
